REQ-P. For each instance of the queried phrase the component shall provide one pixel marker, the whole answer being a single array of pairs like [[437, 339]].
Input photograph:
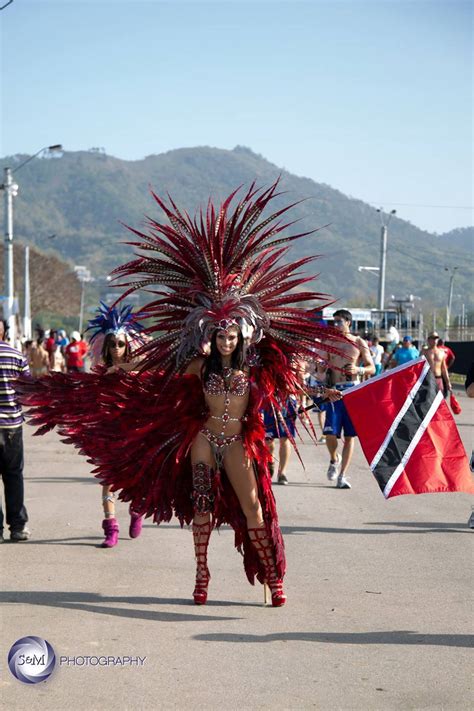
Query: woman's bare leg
[[285, 451], [202, 461], [108, 502], [241, 475], [322, 420], [109, 524]]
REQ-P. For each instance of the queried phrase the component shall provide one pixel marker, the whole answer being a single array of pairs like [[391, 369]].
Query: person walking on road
[[344, 372], [404, 354], [12, 365], [469, 386], [184, 436], [450, 357], [437, 360], [279, 427], [377, 352], [75, 353], [116, 334]]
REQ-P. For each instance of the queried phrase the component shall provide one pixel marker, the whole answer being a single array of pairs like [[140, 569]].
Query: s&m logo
[[31, 659]]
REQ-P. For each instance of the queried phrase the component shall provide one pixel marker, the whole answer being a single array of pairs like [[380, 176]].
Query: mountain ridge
[[84, 196]]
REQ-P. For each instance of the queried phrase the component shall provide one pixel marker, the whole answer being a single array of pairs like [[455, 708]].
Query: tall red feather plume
[[216, 261]]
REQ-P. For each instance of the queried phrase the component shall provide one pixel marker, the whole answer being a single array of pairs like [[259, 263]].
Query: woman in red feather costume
[[184, 436]]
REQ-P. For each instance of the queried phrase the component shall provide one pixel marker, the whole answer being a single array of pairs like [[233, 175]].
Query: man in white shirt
[[377, 352]]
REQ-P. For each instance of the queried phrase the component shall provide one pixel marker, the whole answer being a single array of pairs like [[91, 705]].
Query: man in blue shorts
[[344, 371], [280, 429]]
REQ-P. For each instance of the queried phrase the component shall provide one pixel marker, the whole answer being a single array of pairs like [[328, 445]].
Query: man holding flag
[[413, 445], [343, 372]]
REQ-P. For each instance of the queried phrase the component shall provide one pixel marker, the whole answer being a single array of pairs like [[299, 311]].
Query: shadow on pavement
[[63, 479], [416, 528], [307, 485], [86, 602], [96, 540], [430, 525], [81, 541], [402, 637], [397, 527]]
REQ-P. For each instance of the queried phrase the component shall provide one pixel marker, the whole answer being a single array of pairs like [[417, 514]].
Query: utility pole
[[27, 304], [10, 190], [450, 299], [383, 255], [83, 274]]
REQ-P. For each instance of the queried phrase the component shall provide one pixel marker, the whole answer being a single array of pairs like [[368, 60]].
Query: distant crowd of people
[[52, 350], [398, 352]]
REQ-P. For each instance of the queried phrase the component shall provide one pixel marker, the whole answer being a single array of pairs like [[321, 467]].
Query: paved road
[[378, 615]]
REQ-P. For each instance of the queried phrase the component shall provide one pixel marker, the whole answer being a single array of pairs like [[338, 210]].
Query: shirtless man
[[355, 365], [437, 360]]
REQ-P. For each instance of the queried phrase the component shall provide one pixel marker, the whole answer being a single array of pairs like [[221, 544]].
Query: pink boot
[[111, 530], [136, 523]]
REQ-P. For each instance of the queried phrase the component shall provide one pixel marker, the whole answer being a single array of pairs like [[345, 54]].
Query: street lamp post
[[10, 190], [27, 303], [84, 275], [383, 255], [450, 300]]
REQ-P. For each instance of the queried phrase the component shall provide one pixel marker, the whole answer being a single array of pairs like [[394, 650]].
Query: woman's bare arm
[[195, 367]]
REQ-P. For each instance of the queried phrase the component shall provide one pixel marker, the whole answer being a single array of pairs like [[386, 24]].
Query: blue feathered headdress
[[111, 319]]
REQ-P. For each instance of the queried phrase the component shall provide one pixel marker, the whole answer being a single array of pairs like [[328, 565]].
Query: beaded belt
[[225, 418]]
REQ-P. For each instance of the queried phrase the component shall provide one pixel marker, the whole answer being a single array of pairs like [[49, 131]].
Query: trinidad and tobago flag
[[407, 432]]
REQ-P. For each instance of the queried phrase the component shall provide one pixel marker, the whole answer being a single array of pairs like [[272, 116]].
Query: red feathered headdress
[[221, 267]]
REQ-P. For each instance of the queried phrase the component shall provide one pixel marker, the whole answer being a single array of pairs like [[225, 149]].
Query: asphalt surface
[[378, 616]]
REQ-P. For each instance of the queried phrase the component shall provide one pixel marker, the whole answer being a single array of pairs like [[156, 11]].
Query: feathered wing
[[132, 435]]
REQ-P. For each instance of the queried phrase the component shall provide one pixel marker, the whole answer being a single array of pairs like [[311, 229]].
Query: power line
[[415, 204], [448, 256], [423, 260]]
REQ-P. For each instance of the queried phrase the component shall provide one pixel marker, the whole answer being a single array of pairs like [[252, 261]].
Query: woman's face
[[117, 346], [227, 341]]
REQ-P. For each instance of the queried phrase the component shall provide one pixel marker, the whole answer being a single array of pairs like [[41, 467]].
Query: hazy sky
[[372, 98]]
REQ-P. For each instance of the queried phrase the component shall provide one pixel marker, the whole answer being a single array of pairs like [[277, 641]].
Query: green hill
[[82, 197]]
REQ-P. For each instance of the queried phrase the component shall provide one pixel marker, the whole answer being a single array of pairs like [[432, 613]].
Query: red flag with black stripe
[[408, 433]]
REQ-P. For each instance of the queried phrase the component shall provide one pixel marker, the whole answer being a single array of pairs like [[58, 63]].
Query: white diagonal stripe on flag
[[418, 435], [403, 409]]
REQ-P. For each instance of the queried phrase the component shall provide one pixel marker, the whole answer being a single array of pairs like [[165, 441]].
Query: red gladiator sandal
[[201, 535], [264, 548]]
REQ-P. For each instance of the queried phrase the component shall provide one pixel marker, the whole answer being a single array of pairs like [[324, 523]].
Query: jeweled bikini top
[[227, 384]]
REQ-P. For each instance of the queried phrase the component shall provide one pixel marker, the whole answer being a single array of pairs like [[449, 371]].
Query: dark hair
[[106, 354], [343, 313], [213, 362]]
